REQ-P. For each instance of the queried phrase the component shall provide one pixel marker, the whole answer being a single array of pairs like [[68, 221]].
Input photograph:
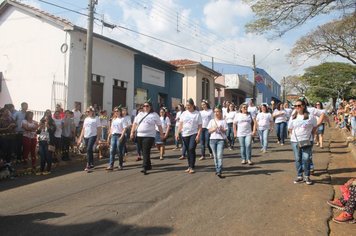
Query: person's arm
[[81, 135], [180, 126], [197, 139], [109, 132], [254, 128], [133, 130]]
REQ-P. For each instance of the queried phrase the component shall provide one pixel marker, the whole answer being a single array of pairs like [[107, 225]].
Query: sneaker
[[282, 144], [336, 204], [191, 171], [181, 158], [312, 171], [161, 158], [211, 156], [109, 168], [176, 148], [39, 173], [298, 180], [187, 170], [138, 158], [243, 162], [344, 217], [144, 171], [202, 158], [250, 162], [264, 151], [46, 173], [87, 168], [120, 167], [308, 180], [278, 142], [230, 149]]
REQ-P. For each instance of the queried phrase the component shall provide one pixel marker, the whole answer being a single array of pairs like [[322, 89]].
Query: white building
[[42, 59]]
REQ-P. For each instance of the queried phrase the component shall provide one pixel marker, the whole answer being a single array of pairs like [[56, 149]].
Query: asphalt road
[[251, 200]]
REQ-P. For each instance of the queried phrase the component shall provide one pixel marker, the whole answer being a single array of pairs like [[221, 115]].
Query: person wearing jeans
[[116, 138], [29, 138], [265, 124], [190, 126], [280, 116], [229, 117], [302, 127], [91, 133], [217, 128], [145, 127], [206, 115], [244, 129]]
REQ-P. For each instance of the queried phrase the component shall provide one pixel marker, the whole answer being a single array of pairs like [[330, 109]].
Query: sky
[[210, 28]]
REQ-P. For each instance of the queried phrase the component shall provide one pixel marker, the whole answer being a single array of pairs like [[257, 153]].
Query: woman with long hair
[[144, 127], [319, 136], [116, 138], [29, 138], [217, 128], [302, 127], [190, 126], [264, 125], [180, 110], [280, 119], [166, 126], [91, 133], [244, 128], [206, 114], [229, 117]]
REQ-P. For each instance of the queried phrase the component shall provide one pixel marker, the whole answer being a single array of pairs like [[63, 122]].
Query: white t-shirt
[[229, 116], [191, 121], [281, 118], [179, 113], [206, 116], [218, 134], [224, 111], [288, 112], [264, 120], [29, 134], [58, 132], [319, 112], [302, 128], [165, 122], [148, 124], [243, 122], [253, 111], [315, 112], [118, 125], [76, 117], [127, 120], [91, 125]]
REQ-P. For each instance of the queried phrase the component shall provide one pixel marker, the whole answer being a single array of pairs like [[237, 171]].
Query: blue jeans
[[302, 159], [230, 134], [45, 155], [281, 131], [190, 145], [204, 141], [116, 147], [245, 147], [217, 146], [264, 138], [353, 126], [104, 133], [89, 143]]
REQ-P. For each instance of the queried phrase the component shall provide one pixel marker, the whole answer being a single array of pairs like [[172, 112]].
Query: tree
[[295, 84], [330, 80], [337, 37]]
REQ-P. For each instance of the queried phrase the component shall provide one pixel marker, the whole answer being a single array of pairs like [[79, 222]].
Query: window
[[205, 89], [98, 78], [120, 83]]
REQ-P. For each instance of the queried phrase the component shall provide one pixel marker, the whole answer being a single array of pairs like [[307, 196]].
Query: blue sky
[[215, 28]]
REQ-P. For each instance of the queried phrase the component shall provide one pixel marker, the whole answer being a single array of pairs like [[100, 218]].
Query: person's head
[[47, 113], [205, 104], [231, 107], [24, 106], [163, 112], [4, 113], [181, 107], [190, 105], [251, 102], [286, 105], [10, 107], [279, 106], [264, 108], [117, 112], [29, 115], [147, 106], [57, 114], [77, 106], [90, 111], [243, 108], [300, 108], [319, 105], [352, 102], [218, 112], [103, 113], [124, 111], [305, 100], [67, 113]]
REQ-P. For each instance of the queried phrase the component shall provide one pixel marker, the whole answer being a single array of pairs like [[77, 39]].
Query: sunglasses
[[244, 107], [116, 110], [145, 105], [297, 105], [317, 104]]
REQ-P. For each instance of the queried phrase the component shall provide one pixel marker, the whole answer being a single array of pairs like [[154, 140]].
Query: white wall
[[109, 60], [30, 59]]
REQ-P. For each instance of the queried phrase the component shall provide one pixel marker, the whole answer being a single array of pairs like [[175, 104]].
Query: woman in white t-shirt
[[264, 125], [29, 138], [229, 118], [180, 110], [217, 128], [190, 125], [144, 124], [166, 126], [319, 136], [127, 117], [91, 132], [116, 138], [302, 127], [206, 114], [244, 129], [280, 119]]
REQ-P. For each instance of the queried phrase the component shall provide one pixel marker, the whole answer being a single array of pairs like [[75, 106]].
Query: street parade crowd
[[56, 135]]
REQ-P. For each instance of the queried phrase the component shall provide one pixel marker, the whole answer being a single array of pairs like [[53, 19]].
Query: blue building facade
[[268, 89], [157, 80]]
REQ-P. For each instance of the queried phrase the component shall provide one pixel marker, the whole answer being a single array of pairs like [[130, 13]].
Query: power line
[[65, 8]]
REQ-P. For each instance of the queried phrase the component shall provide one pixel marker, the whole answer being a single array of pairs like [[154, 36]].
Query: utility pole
[[284, 89], [254, 77], [89, 55]]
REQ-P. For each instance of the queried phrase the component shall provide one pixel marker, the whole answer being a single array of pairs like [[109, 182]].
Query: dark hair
[[321, 104], [264, 105], [305, 111], [206, 103], [279, 106], [164, 110], [228, 107], [240, 107], [181, 105], [28, 113], [191, 102]]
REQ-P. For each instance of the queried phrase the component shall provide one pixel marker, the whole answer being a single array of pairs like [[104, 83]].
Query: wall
[[30, 59]]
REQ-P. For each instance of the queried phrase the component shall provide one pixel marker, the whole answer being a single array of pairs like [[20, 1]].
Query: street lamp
[[255, 72]]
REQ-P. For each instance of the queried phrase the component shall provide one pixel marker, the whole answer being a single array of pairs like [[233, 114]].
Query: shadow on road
[[252, 172], [276, 161], [39, 224]]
